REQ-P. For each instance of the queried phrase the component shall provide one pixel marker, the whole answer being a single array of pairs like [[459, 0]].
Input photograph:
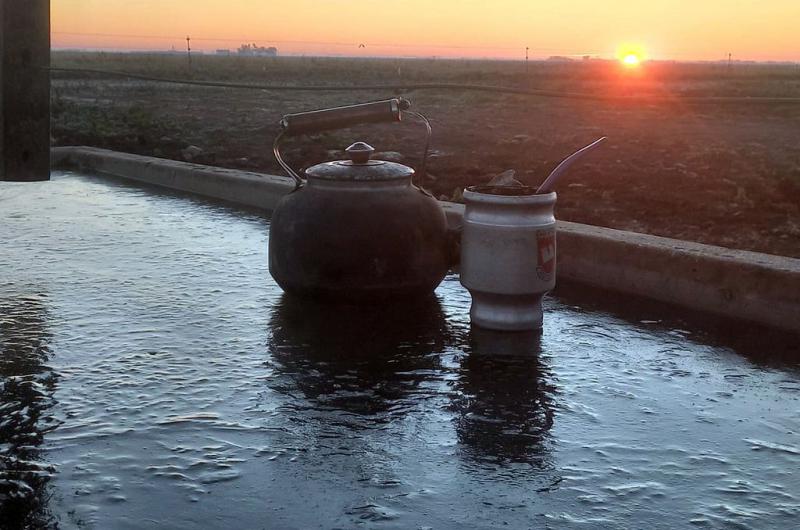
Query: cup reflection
[[504, 399]]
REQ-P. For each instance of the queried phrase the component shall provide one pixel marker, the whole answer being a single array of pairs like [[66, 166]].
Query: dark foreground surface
[[152, 375]]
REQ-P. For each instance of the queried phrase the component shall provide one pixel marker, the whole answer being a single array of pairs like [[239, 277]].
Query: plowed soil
[[717, 173]]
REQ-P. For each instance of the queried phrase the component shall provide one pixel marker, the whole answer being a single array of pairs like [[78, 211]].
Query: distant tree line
[[261, 51]]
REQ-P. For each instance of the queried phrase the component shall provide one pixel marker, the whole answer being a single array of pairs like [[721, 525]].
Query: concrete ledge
[[241, 187], [732, 283]]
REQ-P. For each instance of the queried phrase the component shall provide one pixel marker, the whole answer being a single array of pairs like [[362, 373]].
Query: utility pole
[[526, 60], [730, 60], [24, 90], [189, 50]]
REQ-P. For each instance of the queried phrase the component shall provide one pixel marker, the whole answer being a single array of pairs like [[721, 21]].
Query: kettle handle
[[340, 117], [389, 110]]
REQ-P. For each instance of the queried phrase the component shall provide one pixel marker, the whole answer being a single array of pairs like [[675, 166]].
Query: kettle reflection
[[366, 360], [504, 399]]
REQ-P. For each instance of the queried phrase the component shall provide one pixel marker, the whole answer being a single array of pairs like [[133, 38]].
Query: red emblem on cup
[[546, 243]]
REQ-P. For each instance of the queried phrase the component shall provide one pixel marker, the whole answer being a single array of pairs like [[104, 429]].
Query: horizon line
[[567, 58]]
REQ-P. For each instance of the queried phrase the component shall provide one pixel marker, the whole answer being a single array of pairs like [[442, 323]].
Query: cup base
[[507, 312]]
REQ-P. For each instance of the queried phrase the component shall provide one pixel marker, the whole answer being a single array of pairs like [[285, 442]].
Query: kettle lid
[[359, 167]]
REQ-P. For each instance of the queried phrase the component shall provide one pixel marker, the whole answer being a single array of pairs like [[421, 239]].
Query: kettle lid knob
[[360, 152]]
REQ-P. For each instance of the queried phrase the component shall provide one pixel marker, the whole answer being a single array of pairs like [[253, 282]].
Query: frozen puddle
[[153, 376]]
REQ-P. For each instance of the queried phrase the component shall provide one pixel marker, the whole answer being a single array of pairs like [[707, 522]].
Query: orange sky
[[667, 29]]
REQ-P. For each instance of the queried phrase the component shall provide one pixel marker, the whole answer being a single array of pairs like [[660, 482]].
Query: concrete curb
[[241, 187], [732, 283]]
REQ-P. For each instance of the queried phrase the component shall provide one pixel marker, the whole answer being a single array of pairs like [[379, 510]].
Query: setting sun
[[631, 55], [631, 60]]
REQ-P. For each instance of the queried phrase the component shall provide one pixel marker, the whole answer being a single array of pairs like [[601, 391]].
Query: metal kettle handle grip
[[340, 117]]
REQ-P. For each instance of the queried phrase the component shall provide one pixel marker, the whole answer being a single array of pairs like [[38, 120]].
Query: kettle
[[356, 229]]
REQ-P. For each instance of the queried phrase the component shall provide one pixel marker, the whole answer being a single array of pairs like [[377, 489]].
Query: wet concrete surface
[[153, 375]]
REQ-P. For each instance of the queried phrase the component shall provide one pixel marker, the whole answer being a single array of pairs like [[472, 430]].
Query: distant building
[[223, 52], [251, 50]]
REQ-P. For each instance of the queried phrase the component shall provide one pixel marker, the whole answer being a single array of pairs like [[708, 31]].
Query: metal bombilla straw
[[550, 182]]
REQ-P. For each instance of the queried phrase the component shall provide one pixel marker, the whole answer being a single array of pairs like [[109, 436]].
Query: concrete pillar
[[24, 90]]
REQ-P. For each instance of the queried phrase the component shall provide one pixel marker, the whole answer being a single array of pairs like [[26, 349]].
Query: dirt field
[[723, 174]]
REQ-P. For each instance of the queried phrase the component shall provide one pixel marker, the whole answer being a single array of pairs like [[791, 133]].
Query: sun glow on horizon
[[631, 55], [631, 60]]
